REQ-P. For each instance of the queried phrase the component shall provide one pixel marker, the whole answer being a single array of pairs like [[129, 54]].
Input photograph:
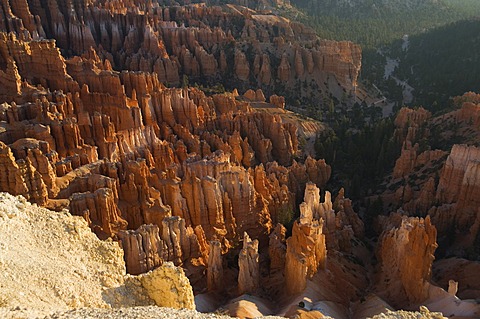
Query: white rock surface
[[51, 261]]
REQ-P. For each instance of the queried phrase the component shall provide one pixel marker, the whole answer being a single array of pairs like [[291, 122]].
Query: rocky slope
[[51, 261]]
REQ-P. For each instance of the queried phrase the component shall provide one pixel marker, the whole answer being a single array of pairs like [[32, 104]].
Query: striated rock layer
[[191, 41]]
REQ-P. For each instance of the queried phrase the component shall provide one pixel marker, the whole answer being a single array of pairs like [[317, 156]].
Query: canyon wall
[[440, 182], [227, 44]]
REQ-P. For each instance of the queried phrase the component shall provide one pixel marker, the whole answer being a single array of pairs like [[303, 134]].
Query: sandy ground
[[150, 312]]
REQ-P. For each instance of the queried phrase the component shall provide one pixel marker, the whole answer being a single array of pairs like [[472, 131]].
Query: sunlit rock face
[[406, 254]]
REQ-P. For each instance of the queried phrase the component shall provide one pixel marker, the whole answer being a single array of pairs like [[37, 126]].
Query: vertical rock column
[[215, 267], [249, 273], [182, 243], [174, 234], [99, 210], [277, 248], [143, 249], [406, 254], [306, 252]]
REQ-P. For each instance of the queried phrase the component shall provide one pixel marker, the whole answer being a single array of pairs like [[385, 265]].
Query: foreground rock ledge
[[169, 287], [52, 261]]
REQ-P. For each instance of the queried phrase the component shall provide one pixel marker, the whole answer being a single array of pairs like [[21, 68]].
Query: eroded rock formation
[[406, 254], [277, 248], [142, 248], [163, 170], [457, 193], [462, 272], [215, 267], [442, 182], [306, 252], [100, 211], [411, 157], [191, 40], [318, 227], [176, 174], [249, 271]]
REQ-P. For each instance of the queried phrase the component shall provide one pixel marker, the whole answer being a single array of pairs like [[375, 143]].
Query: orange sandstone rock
[[143, 249], [406, 254], [215, 268], [100, 211], [306, 250], [249, 272]]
